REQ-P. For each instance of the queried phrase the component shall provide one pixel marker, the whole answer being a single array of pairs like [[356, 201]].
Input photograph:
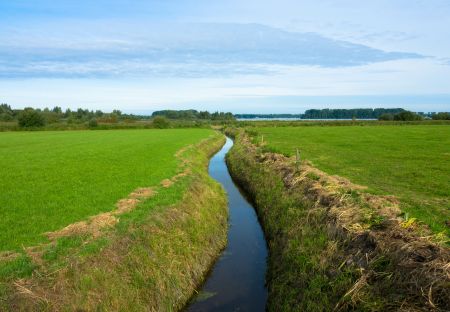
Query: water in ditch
[[237, 280]]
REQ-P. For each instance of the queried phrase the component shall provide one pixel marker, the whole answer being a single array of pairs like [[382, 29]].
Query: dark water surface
[[236, 281]]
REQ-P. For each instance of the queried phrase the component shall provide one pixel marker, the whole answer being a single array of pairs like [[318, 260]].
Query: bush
[[30, 118], [407, 116], [441, 116], [386, 117], [6, 113], [93, 123], [6, 117], [160, 122]]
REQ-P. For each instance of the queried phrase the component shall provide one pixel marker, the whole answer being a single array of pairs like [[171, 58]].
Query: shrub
[[6, 117], [30, 118], [441, 116], [6, 113], [160, 122], [386, 117], [407, 116], [93, 123]]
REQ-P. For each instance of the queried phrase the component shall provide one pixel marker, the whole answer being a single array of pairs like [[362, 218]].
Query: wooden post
[[262, 139], [297, 160]]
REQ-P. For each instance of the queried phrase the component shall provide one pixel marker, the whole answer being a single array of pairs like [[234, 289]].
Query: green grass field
[[410, 162], [51, 179]]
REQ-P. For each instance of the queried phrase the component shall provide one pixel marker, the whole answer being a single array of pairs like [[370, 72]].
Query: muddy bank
[[334, 247]]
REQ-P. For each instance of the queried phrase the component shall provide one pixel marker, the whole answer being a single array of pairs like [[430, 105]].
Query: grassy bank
[[408, 162], [148, 254], [334, 247]]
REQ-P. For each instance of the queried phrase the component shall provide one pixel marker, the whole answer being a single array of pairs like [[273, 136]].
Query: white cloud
[[146, 60], [187, 50]]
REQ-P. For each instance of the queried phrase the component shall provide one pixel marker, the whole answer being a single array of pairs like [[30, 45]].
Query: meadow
[[51, 179], [410, 162]]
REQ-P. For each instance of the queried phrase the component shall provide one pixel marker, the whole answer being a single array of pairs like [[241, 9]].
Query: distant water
[[237, 280]]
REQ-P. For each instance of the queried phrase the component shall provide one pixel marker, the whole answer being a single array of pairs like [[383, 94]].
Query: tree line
[[35, 117], [194, 114], [411, 116], [31, 117], [357, 113]]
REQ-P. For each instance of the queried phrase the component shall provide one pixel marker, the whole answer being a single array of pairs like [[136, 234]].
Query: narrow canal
[[237, 280]]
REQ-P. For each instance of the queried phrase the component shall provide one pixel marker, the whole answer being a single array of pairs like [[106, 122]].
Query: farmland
[[410, 162], [51, 179], [337, 245], [131, 209]]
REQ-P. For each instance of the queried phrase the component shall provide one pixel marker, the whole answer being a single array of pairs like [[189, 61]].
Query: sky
[[249, 56]]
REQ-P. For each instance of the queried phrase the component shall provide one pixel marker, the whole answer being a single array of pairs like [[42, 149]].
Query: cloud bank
[[173, 50]]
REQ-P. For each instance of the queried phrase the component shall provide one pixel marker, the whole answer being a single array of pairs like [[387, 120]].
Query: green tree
[[441, 116], [407, 116], [93, 123], [386, 117], [6, 113], [117, 112], [57, 110], [30, 118], [160, 122]]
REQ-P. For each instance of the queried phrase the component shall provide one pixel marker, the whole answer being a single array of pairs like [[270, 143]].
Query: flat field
[[411, 162], [51, 179]]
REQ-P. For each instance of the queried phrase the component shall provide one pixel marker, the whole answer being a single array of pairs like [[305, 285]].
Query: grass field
[[51, 179], [410, 162]]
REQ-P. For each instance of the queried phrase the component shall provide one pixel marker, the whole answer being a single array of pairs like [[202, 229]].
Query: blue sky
[[241, 56]]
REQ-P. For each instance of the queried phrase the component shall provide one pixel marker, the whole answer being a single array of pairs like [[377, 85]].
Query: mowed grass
[[51, 179], [410, 162]]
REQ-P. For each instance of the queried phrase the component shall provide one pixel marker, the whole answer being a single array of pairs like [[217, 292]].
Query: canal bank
[[236, 282]]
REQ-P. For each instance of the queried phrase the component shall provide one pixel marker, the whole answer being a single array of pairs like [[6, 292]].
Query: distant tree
[[441, 116], [57, 110], [358, 113], [30, 118], [80, 113], [407, 116], [192, 114], [93, 123], [5, 108], [229, 116], [204, 115], [386, 117], [51, 117], [117, 112], [6, 113], [67, 113], [215, 116], [160, 122]]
